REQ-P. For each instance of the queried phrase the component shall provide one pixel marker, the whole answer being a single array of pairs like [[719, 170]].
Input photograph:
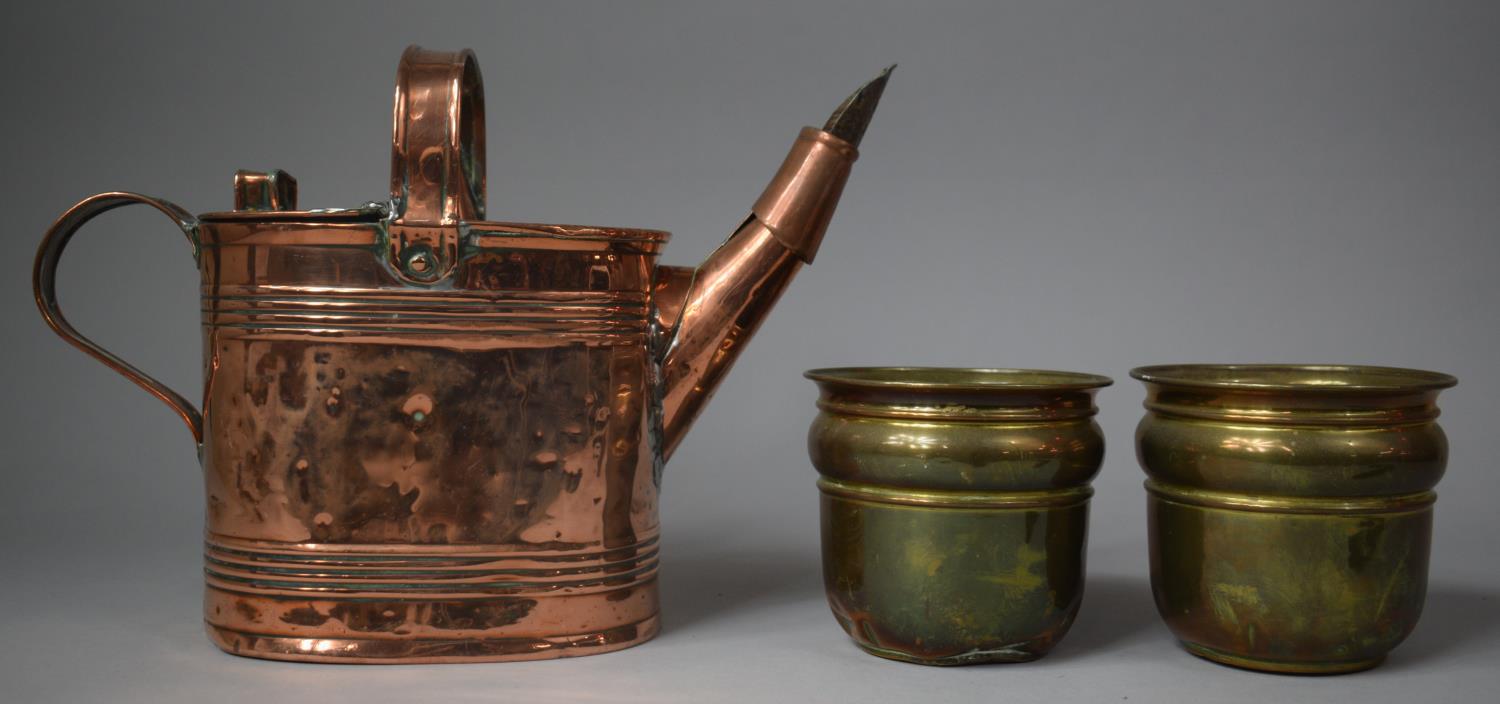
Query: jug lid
[[437, 179]]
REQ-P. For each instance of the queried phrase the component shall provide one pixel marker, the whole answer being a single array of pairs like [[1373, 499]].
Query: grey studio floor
[[1087, 186], [745, 620]]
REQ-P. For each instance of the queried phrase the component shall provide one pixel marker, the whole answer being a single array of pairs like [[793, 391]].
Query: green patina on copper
[[1290, 509], [955, 507]]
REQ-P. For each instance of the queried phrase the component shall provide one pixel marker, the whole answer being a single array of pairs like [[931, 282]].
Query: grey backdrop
[[1085, 186]]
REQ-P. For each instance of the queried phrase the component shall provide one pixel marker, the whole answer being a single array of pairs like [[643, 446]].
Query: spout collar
[[799, 202]]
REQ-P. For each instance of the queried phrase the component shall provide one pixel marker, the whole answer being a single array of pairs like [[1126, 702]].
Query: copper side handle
[[44, 287], [437, 146]]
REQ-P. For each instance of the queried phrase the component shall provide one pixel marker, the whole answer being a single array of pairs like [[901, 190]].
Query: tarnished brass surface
[[955, 507], [1290, 509], [428, 437]]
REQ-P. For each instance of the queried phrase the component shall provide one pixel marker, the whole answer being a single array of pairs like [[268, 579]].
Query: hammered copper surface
[[1290, 509], [955, 507], [428, 437]]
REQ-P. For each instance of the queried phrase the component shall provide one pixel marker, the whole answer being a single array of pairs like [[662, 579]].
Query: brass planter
[[955, 507], [1290, 509]]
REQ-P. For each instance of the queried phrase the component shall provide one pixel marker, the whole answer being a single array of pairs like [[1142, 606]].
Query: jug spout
[[710, 312]]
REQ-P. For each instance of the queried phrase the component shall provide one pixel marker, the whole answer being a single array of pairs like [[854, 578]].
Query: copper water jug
[[428, 437]]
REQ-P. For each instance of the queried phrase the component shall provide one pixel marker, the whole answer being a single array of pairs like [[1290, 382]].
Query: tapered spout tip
[[852, 118]]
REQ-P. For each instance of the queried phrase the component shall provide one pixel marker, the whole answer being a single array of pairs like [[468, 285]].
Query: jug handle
[[437, 145], [44, 287], [437, 162]]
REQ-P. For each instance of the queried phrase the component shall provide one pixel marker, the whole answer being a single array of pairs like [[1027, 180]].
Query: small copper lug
[[264, 190]]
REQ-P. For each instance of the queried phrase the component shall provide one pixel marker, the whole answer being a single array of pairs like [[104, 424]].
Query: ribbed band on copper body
[[580, 313], [416, 571]]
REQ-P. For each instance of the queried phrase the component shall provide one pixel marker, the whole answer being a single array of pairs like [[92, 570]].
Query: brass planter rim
[[957, 378], [1294, 378]]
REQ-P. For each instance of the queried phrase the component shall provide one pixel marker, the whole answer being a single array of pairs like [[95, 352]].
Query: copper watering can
[[428, 437]]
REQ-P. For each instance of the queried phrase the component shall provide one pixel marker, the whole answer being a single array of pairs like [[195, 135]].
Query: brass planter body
[[428, 437], [1290, 509], [955, 508]]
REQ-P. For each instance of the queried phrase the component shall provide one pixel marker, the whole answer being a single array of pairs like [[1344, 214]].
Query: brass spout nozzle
[[731, 293], [850, 120]]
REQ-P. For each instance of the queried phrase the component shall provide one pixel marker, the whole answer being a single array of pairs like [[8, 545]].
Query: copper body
[[431, 438]]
